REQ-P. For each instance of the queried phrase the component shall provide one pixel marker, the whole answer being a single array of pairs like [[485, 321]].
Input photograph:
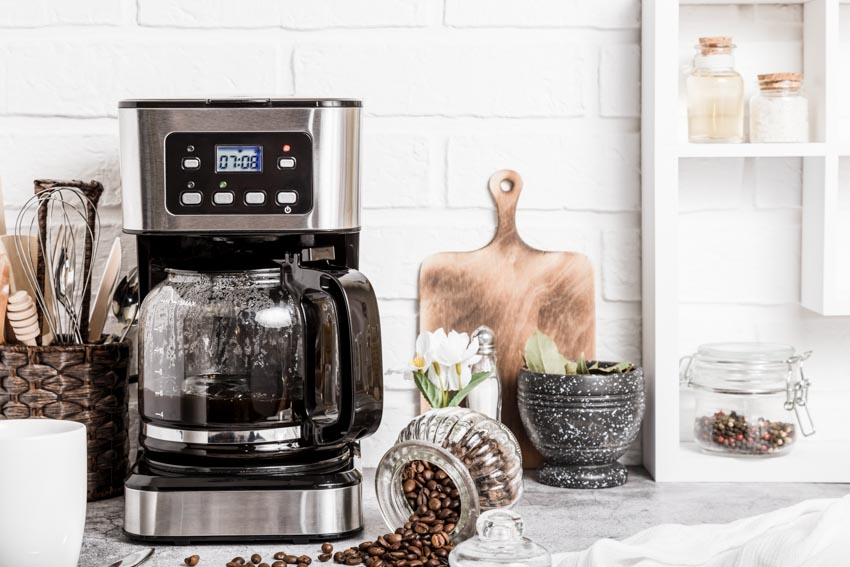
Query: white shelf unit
[[663, 148]]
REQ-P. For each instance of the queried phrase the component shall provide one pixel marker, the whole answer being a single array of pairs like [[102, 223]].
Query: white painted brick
[[28, 156], [619, 81], [440, 78], [397, 170], [619, 340], [621, 261], [209, 13], [543, 13], [81, 78], [779, 182], [398, 331], [581, 170], [740, 258], [391, 256], [36, 13], [711, 184], [360, 13], [316, 14]]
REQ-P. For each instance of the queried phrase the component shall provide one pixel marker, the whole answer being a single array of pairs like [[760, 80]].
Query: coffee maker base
[[171, 510]]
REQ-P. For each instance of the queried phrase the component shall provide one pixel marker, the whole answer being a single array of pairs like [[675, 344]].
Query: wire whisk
[[60, 218]]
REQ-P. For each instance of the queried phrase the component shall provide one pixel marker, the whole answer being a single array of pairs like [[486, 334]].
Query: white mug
[[42, 492]]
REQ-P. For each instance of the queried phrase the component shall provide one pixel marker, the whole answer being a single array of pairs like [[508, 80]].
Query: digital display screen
[[238, 159]]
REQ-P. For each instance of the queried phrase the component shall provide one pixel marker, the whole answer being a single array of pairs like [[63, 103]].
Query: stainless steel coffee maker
[[259, 341]]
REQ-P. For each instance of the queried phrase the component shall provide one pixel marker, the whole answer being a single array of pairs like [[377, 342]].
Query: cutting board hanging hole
[[505, 187]]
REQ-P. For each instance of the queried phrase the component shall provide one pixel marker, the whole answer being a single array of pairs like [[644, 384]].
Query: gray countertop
[[561, 520]]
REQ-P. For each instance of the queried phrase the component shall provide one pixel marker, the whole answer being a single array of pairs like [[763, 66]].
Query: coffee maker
[[259, 341]]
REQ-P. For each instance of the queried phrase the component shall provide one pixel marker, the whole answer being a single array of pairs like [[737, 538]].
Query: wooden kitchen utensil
[[23, 317], [103, 299], [5, 274], [513, 289]]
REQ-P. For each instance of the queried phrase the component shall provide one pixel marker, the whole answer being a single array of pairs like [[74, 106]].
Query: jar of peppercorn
[[447, 466], [750, 398]]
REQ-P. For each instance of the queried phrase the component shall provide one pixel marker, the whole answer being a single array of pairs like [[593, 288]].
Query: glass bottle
[[779, 112], [487, 396], [715, 94]]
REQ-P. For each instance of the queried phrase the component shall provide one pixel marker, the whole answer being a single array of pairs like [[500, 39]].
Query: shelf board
[[812, 460], [687, 150]]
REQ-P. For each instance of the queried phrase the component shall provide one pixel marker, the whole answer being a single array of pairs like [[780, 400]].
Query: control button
[[191, 163], [191, 198], [285, 162], [255, 198], [223, 198], [286, 197]]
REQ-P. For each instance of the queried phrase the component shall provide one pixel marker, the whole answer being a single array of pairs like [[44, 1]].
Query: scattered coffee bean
[[256, 558], [290, 559], [192, 560], [263, 565], [278, 564], [327, 548], [324, 557], [280, 555], [305, 559]]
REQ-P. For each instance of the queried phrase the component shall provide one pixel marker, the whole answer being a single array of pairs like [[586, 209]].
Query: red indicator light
[[286, 147]]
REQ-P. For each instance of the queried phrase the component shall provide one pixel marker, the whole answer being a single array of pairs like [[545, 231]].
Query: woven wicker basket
[[83, 383]]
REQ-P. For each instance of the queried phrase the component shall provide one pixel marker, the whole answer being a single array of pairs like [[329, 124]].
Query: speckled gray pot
[[581, 424]]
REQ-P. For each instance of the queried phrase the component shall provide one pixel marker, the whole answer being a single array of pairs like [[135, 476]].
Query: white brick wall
[[453, 90]]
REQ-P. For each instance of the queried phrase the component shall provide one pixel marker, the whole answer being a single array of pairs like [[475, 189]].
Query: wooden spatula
[[513, 289]]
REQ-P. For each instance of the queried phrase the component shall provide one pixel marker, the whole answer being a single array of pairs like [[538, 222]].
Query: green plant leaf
[[429, 390], [582, 365], [571, 367], [461, 394], [616, 368], [541, 354]]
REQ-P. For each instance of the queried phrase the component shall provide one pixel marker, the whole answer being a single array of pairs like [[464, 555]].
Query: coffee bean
[[305, 559], [327, 548], [278, 564], [324, 557], [290, 559], [338, 557], [238, 560], [280, 555], [256, 558], [263, 565], [353, 560], [192, 560]]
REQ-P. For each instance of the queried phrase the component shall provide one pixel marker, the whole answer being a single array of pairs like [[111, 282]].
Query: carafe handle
[[359, 348]]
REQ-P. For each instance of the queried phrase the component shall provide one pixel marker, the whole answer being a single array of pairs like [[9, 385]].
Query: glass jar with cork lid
[[715, 93], [779, 112]]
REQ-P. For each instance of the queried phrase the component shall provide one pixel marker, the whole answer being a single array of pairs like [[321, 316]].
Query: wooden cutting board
[[513, 289]]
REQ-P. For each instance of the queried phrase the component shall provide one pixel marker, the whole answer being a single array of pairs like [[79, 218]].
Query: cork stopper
[[780, 81], [715, 45]]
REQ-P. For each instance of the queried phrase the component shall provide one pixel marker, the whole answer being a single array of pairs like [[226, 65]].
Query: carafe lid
[[499, 543]]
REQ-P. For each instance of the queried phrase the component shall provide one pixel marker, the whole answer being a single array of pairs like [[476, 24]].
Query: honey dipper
[[23, 317]]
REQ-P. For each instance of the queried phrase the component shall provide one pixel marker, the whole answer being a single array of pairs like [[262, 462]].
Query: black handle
[[359, 348]]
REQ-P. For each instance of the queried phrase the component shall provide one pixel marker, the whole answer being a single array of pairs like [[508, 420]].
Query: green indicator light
[[222, 185]]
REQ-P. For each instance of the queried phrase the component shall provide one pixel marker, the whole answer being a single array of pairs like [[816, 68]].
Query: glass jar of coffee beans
[[447, 466], [750, 398]]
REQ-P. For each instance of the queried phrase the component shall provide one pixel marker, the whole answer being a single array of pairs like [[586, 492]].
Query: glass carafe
[[222, 349], [265, 360]]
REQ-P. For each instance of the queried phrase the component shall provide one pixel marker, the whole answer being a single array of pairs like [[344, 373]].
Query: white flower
[[456, 355], [422, 359]]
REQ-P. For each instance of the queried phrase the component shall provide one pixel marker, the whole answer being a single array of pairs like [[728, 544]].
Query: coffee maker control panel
[[245, 173]]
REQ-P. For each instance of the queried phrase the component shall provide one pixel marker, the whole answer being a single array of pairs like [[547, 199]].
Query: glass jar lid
[[742, 368], [499, 543]]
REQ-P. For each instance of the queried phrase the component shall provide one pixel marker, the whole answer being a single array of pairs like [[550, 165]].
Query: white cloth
[[814, 533]]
